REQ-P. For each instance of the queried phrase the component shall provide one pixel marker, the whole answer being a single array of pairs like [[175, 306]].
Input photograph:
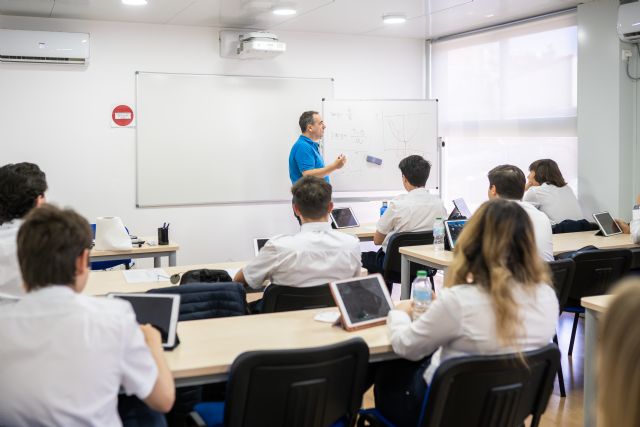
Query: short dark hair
[[547, 171], [20, 186], [306, 119], [509, 181], [312, 196], [416, 170], [49, 242]]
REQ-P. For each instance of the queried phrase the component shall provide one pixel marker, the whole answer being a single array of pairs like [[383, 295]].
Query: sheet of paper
[[232, 272], [145, 275]]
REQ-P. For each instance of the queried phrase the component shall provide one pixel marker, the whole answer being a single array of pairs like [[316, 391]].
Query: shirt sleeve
[[635, 229], [531, 196], [139, 370], [387, 221], [304, 158], [260, 269], [436, 327]]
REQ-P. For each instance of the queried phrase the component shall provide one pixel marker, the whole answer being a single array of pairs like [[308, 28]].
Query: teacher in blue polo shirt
[[305, 158]]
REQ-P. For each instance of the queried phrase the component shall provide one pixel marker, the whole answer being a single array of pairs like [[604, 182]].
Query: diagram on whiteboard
[[375, 135]]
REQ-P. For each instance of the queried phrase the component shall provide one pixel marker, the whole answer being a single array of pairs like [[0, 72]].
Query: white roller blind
[[506, 96]]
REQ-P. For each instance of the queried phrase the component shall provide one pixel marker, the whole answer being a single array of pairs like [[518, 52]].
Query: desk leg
[[405, 272], [590, 344], [173, 259], [157, 262]]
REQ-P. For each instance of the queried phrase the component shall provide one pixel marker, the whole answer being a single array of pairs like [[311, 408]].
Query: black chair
[[279, 298], [596, 270], [208, 300], [392, 258], [483, 391], [563, 271], [311, 387], [202, 301]]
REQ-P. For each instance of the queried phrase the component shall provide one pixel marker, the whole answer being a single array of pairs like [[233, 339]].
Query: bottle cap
[[422, 273]]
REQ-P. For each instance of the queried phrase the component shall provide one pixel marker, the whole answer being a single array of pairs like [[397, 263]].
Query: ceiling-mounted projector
[[259, 45]]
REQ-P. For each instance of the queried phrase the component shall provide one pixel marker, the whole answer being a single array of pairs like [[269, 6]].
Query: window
[[506, 96]]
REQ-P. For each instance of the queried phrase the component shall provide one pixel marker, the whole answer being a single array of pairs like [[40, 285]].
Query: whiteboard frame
[[362, 196], [329, 80]]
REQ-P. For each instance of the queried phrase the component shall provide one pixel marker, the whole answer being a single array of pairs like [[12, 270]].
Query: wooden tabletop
[[598, 303], [561, 243], [365, 231], [144, 249], [208, 347]]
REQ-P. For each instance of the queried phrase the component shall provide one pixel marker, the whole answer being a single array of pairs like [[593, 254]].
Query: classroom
[[166, 123]]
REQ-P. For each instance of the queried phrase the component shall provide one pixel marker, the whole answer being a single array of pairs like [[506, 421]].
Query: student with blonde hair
[[496, 300], [618, 354]]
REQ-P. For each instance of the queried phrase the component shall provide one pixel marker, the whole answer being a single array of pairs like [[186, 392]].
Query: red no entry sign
[[122, 115]]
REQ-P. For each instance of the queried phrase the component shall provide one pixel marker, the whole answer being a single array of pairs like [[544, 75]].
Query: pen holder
[[163, 236]]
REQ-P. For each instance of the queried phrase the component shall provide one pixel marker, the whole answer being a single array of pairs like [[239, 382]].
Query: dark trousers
[[135, 413], [399, 390], [373, 261]]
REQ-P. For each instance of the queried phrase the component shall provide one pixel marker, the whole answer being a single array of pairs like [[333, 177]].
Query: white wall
[[59, 117], [608, 117]]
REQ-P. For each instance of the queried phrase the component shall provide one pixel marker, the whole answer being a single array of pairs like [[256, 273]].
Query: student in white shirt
[[508, 182], [415, 211], [65, 356], [633, 227], [496, 299], [548, 191], [22, 187], [314, 256]]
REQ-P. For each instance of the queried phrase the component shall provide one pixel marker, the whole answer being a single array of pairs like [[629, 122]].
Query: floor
[[567, 411]]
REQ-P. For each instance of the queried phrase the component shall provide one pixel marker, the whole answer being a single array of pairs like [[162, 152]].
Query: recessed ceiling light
[[395, 18], [135, 2], [284, 11]]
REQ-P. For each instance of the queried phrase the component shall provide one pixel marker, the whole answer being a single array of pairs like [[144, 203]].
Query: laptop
[[606, 223], [452, 230], [343, 218], [160, 310], [363, 301], [460, 210], [258, 243]]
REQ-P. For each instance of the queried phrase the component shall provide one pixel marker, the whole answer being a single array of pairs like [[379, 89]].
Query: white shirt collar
[[52, 291], [315, 226], [420, 191], [16, 223]]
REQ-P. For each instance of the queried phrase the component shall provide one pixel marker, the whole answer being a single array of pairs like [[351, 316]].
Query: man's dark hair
[[49, 242], [416, 170], [547, 171], [20, 186], [306, 119], [312, 196], [509, 181]]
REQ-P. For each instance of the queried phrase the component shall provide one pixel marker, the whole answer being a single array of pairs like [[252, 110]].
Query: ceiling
[[425, 18]]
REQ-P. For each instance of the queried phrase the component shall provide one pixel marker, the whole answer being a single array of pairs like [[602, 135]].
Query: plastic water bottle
[[421, 294], [383, 208], [438, 235]]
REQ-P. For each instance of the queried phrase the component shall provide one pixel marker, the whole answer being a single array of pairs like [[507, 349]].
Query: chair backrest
[[278, 298], [311, 387], [391, 265], [573, 226], [208, 300], [491, 391], [597, 270], [563, 271]]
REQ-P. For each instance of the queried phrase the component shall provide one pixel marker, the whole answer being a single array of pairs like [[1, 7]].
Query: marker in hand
[[340, 161]]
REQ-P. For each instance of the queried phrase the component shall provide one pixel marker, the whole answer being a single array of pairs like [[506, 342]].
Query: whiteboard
[[206, 139], [386, 129]]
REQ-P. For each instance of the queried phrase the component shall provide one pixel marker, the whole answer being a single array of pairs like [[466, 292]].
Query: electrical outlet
[[626, 54]]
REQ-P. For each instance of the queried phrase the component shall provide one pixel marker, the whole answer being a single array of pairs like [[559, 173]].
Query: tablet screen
[[258, 243], [607, 224], [453, 229], [363, 299], [343, 217], [156, 310]]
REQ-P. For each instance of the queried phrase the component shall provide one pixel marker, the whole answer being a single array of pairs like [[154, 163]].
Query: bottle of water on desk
[[438, 235], [421, 294], [383, 208]]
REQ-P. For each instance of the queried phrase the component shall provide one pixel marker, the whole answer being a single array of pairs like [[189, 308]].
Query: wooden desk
[[365, 232], [208, 347], [425, 255], [594, 306], [146, 251]]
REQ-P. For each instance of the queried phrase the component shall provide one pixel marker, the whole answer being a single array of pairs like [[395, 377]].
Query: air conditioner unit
[[44, 47], [629, 22]]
